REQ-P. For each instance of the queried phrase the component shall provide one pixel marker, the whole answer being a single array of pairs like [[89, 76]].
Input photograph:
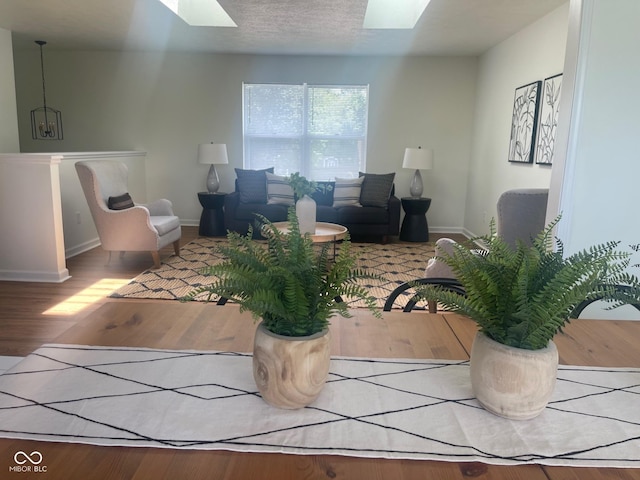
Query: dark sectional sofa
[[363, 222]]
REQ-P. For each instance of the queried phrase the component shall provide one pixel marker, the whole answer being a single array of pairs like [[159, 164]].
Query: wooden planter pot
[[512, 382], [290, 372]]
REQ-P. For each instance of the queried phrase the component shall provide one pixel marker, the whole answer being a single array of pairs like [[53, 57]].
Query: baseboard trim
[[34, 276], [468, 233], [81, 248], [456, 230]]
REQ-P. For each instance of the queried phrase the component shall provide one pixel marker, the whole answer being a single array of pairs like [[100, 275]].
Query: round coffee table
[[325, 232]]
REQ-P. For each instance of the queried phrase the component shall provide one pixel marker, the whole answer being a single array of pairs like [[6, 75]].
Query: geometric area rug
[[386, 408], [178, 275]]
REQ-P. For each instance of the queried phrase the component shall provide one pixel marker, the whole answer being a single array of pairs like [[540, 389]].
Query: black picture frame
[[524, 122], [548, 122]]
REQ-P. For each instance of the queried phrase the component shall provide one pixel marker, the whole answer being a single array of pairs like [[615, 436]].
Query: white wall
[[534, 53], [9, 140], [603, 153], [600, 161], [166, 104]]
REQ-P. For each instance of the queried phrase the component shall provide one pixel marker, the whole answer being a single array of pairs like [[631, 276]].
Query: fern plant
[[522, 297], [291, 285]]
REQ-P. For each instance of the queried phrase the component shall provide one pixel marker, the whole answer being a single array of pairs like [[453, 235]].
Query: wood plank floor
[[32, 314], [35, 313], [167, 324]]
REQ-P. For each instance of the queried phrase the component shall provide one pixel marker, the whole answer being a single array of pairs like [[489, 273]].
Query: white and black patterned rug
[[178, 275], [390, 408]]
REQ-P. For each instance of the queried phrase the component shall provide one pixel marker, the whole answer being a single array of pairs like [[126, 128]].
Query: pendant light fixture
[[46, 122]]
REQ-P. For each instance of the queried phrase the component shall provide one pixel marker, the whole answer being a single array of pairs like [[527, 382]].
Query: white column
[[31, 232]]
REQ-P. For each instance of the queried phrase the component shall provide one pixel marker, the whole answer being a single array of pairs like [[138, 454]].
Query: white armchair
[[147, 227], [438, 269]]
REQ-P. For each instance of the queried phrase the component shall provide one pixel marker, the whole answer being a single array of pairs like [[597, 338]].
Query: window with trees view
[[319, 131]]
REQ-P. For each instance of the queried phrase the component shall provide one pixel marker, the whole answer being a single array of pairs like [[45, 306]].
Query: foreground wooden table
[[209, 327]]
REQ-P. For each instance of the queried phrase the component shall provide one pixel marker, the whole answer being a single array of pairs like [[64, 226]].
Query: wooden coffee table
[[325, 232]]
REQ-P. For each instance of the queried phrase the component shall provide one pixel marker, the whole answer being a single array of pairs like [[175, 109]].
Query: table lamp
[[420, 159], [212, 154]]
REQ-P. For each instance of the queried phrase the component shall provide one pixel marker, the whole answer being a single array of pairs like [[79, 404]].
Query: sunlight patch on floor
[[90, 295]]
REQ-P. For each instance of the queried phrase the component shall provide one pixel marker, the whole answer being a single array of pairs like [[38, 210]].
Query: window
[[319, 131]]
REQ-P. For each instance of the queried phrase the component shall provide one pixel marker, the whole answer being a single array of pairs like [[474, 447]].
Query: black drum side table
[[212, 217], [414, 226]]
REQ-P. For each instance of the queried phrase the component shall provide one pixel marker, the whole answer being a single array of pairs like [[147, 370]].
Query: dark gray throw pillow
[[376, 189], [252, 185], [324, 193], [120, 202]]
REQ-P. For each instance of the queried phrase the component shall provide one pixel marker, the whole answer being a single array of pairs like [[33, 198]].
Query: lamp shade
[[418, 158], [212, 154]]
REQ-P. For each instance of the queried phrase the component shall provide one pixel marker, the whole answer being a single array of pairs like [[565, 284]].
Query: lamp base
[[213, 183], [416, 185]]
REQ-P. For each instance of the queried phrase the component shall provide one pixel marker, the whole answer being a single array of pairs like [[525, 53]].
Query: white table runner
[[391, 408]]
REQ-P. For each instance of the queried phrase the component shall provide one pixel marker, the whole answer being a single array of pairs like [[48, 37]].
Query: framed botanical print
[[524, 121], [550, 101]]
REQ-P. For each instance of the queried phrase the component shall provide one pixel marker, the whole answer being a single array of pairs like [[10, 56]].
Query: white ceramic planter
[[512, 382], [290, 372], [306, 213]]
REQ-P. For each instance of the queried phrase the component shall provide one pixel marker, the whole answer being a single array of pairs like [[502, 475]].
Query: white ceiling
[[310, 27]]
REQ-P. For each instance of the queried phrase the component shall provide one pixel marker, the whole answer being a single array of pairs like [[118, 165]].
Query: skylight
[[400, 14], [200, 13]]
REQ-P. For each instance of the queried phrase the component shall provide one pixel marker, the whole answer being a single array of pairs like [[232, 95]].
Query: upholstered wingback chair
[[137, 228]]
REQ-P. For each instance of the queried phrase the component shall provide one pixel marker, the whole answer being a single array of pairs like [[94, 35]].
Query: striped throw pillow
[[120, 202], [278, 190], [347, 192]]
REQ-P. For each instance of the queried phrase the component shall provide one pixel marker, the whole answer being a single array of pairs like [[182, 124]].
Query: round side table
[[414, 226], [212, 217]]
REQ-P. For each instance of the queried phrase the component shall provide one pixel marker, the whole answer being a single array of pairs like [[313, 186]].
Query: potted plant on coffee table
[[305, 205], [294, 288], [520, 298]]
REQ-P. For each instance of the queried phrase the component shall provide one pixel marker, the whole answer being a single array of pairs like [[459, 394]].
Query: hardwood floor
[[171, 325], [35, 313]]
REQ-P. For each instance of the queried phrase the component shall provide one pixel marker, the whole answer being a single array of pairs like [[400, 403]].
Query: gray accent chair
[[522, 214], [521, 217], [147, 227]]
